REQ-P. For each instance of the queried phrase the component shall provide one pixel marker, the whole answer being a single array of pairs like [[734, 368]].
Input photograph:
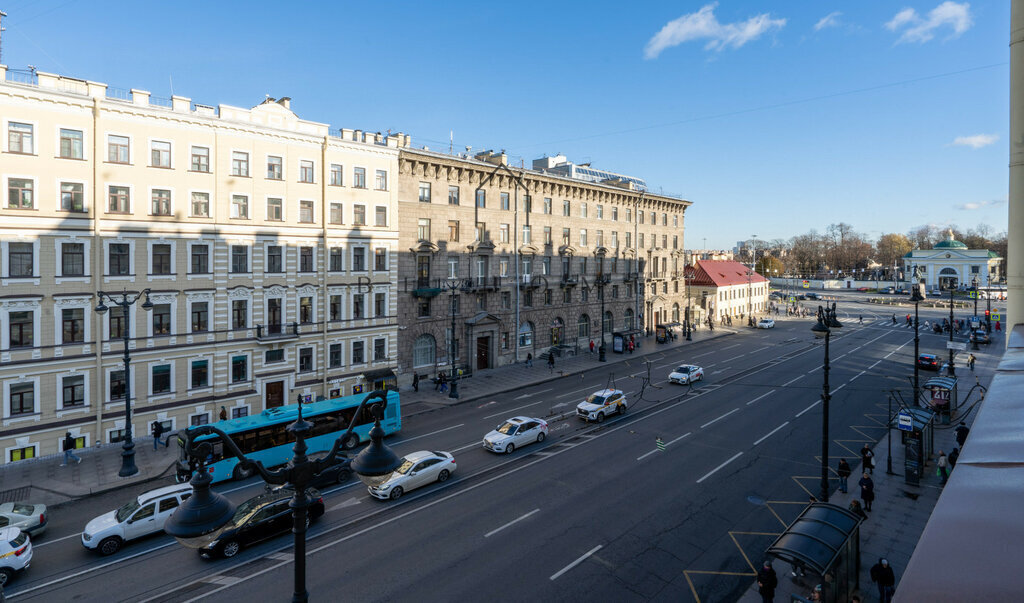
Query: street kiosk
[[943, 399], [915, 425]]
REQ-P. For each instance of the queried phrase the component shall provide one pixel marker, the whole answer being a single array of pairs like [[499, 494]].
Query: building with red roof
[[724, 288]]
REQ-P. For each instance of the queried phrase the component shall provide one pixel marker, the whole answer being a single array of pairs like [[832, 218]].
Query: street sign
[[996, 317], [904, 421], [956, 345]]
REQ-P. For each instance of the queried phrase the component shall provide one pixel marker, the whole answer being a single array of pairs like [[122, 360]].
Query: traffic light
[[986, 314]]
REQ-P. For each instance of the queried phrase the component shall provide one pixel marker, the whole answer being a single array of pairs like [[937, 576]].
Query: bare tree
[[891, 247]]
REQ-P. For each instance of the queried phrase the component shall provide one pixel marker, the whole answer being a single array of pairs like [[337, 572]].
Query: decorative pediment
[[567, 250], [528, 249], [601, 251], [240, 293], [479, 246], [275, 290], [424, 246]]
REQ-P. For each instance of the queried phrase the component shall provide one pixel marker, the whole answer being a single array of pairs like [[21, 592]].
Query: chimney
[[285, 101]]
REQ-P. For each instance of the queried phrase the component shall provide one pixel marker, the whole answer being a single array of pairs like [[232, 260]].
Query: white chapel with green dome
[[950, 265]]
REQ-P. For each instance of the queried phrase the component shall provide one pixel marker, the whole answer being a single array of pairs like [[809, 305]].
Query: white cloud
[[918, 29], [975, 142], [972, 205], [702, 25], [829, 20]]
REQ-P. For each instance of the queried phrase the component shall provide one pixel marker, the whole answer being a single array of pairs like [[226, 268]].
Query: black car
[[928, 362], [260, 518]]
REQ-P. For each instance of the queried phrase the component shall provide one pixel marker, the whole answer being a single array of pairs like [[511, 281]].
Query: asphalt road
[[595, 512]]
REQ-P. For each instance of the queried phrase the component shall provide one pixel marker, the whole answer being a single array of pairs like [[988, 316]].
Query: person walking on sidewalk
[[943, 464], [970, 361], [529, 361], [157, 429], [867, 490], [591, 346], [766, 582], [883, 576], [223, 414], [551, 362], [961, 433], [867, 459], [857, 510], [953, 456], [442, 381], [843, 471], [416, 382], [69, 450]]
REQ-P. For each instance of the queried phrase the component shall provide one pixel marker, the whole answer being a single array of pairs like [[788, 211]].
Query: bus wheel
[[241, 472], [350, 442]]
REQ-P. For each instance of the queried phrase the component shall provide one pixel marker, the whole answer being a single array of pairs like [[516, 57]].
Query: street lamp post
[[125, 302], [952, 369], [915, 296], [601, 280], [199, 519], [689, 314], [826, 323], [452, 285], [974, 285]]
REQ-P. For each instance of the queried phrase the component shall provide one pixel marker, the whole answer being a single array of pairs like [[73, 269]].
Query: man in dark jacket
[[766, 582], [867, 491], [961, 433], [885, 578], [69, 450], [843, 471], [157, 430]]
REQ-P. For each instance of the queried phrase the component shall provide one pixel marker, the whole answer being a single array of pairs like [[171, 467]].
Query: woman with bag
[[867, 459]]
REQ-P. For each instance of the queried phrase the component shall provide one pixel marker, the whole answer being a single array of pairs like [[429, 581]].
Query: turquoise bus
[[264, 437]]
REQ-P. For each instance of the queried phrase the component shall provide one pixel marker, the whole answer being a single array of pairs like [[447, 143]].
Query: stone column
[[1015, 230]]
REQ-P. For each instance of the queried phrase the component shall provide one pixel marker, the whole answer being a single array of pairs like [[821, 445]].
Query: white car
[[686, 374], [15, 553], [600, 404], [516, 432], [417, 469], [29, 518], [766, 323], [144, 515]]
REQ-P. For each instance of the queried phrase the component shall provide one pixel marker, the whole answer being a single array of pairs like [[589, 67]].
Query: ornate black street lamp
[[125, 302], [198, 521], [452, 285], [602, 278], [973, 336], [952, 369], [826, 323], [915, 296]]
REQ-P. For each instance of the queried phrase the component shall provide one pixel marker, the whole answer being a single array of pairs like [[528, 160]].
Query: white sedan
[[15, 553], [686, 374], [514, 433], [766, 323], [417, 469], [29, 518]]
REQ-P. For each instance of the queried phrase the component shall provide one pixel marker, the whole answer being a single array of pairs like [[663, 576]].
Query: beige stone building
[[268, 243], [517, 260]]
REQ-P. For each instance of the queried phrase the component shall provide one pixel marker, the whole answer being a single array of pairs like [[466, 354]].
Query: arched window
[[608, 322], [423, 350], [627, 319], [526, 335], [675, 312], [583, 326]]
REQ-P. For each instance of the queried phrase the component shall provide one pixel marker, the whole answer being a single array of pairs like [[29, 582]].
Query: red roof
[[723, 273]]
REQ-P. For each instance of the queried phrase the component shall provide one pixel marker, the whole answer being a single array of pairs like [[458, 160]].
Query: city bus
[[264, 437]]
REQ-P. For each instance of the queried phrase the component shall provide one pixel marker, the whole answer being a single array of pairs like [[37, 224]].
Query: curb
[[107, 490]]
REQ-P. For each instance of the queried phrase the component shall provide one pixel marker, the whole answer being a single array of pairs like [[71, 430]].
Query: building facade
[[268, 245], [500, 263], [951, 265], [726, 289]]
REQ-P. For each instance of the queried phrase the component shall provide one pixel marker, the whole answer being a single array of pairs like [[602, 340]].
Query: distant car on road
[[15, 553], [30, 518], [514, 433], [901, 291], [978, 335], [685, 374], [863, 289], [600, 404], [144, 515], [260, 518], [766, 323], [813, 296], [417, 469], [929, 362]]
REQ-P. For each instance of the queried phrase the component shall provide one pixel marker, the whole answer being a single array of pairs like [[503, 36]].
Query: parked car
[[417, 469], [516, 432], [144, 515], [332, 476], [600, 404], [863, 289], [766, 323], [813, 296], [901, 291], [15, 553], [686, 374], [978, 335], [929, 362], [260, 518], [29, 518]]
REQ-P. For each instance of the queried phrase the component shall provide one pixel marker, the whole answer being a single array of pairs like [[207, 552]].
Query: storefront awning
[[378, 374]]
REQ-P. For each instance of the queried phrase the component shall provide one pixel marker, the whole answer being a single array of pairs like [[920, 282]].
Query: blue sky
[[773, 118]]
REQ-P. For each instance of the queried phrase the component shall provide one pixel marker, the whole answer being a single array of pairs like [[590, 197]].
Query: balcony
[[629, 277], [482, 283], [570, 280], [277, 332], [528, 281]]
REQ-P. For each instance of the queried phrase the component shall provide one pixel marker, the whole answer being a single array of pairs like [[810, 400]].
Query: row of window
[[21, 138], [481, 266], [482, 234], [529, 298]]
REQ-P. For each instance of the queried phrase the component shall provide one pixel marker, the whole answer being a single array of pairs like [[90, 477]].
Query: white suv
[[140, 517], [600, 404], [15, 554]]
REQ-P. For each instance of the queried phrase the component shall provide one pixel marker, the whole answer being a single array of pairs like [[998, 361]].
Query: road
[[596, 511]]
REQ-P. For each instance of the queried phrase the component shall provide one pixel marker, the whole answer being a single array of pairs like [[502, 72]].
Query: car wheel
[[396, 493], [600, 417], [343, 476], [540, 437], [6, 574], [350, 442], [510, 449], [443, 476], [241, 472], [622, 409], [109, 546], [230, 548]]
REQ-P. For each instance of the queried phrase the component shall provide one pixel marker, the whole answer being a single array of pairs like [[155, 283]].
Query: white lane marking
[[759, 397], [837, 389], [712, 472], [249, 485], [812, 370], [857, 375], [731, 346], [431, 433], [576, 391], [770, 433], [347, 503], [722, 370], [874, 365], [647, 454], [42, 544], [761, 349], [719, 418], [575, 563], [679, 438], [495, 531], [808, 408], [740, 356], [511, 410], [792, 381], [468, 446], [523, 396], [838, 357]]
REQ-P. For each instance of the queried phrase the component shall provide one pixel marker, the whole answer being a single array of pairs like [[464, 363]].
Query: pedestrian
[[157, 429], [551, 362], [529, 361], [885, 578], [998, 325], [867, 459], [970, 361], [632, 346], [860, 317], [943, 467], [867, 491], [857, 510], [766, 582], [591, 346], [961, 433], [443, 380], [223, 414], [69, 450], [953, 456], [893, 318], [416, 382], [843, 471]]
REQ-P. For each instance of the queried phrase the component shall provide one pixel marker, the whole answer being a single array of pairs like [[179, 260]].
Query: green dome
[[950, 243]]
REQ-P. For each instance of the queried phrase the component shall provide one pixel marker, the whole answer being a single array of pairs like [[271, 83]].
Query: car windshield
[[19, 540], [596, 399], [247, 509], [683, 369], [507, 428], [22, 509], [126, 511], [405, 466]]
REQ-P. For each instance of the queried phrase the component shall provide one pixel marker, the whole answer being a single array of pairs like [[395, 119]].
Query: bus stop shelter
[[825, 540]]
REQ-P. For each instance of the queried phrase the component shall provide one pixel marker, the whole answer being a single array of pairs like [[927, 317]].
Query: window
[[200, 317], [481, 198], [664, 241], [506, 300], [162, 259], [358, 259], [359, 215], [526, 234], [583, 237], [380, 259], [239, 259], [240, 164], [453, 195], [275, 209], [305, 360], [334, 307], [71, 144], [380, 216], [21, 329], [161, 319], [21, 454], [194, 420], [359, 177], [547, 297], [335, 213], [453, 266], [629, 240], [423, 307], [675, 219], [306, 211], [200, 159], [275, 168], [481, 231], [118, 149], [453, 230], [19, 193], [423, 229], [73, 325], [117, 385], [545, 265], [23, 399], [239, 313], [72, 259], [161, 379], [357, 352], [615, 214], [566, 236], [239, 411], [20, 260], [566, 208], [201, 205], [336, 259], [120, 262], [161, 202], [239, 368], [583, 326], [337, 177], [20, 139], [599, 241], [600, 212], [358, 306], [306, 310], [424, 195], [117, 322], [664, 220], [240, 207], [583, 210], [380, 306], [73, 389], [381, 180], [504, 201], [675, 241], [72, 196], [640, 239], [334, 355], [306, 171], [640, 216], [160, 154], [200, 259], [380, 349], [275, 259], [547, 205], [503, 233]]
